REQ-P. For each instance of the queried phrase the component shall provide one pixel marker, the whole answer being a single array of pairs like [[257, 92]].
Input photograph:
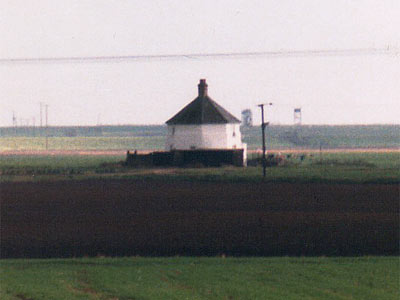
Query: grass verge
[[332, 167], [201, 278]]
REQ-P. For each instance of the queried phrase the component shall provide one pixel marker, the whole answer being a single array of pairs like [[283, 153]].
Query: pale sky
[[361, 89]]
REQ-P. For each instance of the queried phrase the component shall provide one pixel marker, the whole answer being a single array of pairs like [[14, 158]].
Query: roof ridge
[[202, 110], [220, 109]]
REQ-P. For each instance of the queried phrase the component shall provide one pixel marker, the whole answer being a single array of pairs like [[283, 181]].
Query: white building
[[203, 125]]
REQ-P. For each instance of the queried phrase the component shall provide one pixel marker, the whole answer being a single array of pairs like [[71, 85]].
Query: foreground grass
[[201, 278]]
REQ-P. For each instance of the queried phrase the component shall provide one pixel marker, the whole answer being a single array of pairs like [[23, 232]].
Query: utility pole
[[41, 118], [263, 125], [34, 126], [320, 152], [47, 126], [14, 119]]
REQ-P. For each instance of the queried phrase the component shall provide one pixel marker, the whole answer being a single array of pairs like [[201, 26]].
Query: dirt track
[[122, 217]]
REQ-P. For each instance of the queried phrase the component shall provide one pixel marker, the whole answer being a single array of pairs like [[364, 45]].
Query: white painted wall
[[183, 137], [206, 136], [234, 137], [213, 136]]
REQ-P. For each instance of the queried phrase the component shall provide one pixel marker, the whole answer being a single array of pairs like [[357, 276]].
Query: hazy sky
[[361, 89]]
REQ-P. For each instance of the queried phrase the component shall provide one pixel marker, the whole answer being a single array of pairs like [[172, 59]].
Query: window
[[173, 130], [234, 133]]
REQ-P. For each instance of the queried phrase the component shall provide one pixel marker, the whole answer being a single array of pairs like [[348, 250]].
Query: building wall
[[206, 136], [183, 137], [214, 136], [234, 137]]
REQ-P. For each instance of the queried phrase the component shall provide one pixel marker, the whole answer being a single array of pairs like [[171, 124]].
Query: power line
[[231, 55]]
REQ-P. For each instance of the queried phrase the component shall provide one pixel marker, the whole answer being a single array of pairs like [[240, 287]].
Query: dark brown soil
[[122, 217]]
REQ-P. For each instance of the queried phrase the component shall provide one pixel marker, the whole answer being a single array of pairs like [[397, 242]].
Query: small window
[[234, 133], [192, 147], [173, 130]]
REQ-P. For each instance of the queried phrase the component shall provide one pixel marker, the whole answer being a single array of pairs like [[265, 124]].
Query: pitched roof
[[202, 110]]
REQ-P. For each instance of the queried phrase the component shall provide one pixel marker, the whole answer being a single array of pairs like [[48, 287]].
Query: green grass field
[[153, 137], [201, 278], [82, 143], [330, 167]]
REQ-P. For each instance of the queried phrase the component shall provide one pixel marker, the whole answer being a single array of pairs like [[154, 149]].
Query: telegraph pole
[[34, 126], [41, 118], [14, 119], [47, 126], [263, 125]]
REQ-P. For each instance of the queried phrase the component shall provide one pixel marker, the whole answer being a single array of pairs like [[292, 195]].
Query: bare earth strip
[[136, 217]]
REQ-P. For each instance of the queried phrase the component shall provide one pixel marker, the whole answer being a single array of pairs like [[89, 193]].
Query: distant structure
[[297, 116], [247, 118], [203, 124], [202, 133], [14, 120]]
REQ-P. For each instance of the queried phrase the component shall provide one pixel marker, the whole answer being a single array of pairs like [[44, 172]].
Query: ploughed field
[[122, 217]]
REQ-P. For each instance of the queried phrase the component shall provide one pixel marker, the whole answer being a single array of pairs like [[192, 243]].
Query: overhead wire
[[227, 55]]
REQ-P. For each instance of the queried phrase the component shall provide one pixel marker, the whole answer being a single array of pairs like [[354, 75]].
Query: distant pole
[[263, 125], [14, 118], [34, 126], [47, 126], [320, 152], [41, 118]]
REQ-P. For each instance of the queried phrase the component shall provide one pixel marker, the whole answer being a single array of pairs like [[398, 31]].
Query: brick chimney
[[202, 88]]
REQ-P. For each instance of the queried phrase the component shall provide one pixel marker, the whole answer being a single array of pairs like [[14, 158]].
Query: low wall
[[182, 158]]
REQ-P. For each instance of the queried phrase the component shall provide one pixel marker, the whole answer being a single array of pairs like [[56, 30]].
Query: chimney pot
[[203, 88]]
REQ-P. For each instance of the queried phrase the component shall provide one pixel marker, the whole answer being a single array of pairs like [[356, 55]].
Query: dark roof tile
[[202, 110]]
